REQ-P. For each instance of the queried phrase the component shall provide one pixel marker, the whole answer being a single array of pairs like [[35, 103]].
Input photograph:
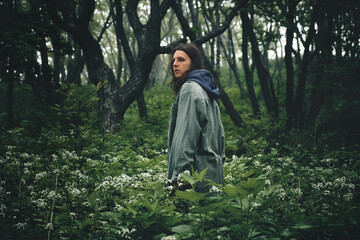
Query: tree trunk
[[248, 75], [267, 87], [234, 115], [321, 96], [300, 92], [57, 63], [118, 44], [45, 70], [10, 95], [218, 39], [142, 106], [289, 100], [317, 95], [232, 63], [75, 66]]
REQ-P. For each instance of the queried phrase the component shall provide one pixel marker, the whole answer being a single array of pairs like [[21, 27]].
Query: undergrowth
[[72, 181]]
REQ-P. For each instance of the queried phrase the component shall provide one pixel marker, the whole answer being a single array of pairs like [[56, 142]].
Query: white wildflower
[[118, 207], [20, 226], [75, 191], [255, 206], [3, 209], [229, 177], [40, 175], [40, 203], [348, 197], [268, 182], [215, 189], [351, 186], [145, 175], [49, 226], [171, 237], [317, 186], [268, 168], [281, 193], [297, 191], [51, 194]]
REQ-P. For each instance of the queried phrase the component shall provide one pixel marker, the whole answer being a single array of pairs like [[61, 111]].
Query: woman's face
[[181, 63]]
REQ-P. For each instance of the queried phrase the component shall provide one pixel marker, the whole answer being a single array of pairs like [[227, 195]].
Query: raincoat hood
[[204, 79]]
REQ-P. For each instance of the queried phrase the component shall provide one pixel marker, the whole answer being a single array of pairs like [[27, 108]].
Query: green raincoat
[[196, 135]]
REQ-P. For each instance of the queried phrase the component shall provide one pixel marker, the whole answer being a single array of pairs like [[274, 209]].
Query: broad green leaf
[[92, 198], [85, 223], [303, 226], [201, 175], [249, 184], [208, 208], [191, 196], [183, 229], [189, 179], [230, 190], [132, 210]]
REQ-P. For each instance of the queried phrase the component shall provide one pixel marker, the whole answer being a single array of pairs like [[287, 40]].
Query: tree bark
[[267, 87], [307, 57], [248, 75], [321, 96], [10, 95], [317, 96], [289, 100], [232, 63], [45, 70], [142, 106], [118, 44]]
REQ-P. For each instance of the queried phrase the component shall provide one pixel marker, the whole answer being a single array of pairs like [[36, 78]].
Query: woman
[[196, 135]]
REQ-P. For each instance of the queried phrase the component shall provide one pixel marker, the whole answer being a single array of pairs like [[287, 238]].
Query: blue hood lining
[[204, 79]]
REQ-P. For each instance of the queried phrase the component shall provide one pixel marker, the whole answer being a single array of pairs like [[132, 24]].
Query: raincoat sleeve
[[190, 120]]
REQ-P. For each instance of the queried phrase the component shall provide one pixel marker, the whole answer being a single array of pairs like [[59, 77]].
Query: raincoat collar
[[204, 79]]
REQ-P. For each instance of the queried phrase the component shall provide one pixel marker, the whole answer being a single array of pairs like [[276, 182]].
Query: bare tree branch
[[51, 8], [164, 7], [86, 14], [219, 30], [124, 41], [170, 47], [133, 17]]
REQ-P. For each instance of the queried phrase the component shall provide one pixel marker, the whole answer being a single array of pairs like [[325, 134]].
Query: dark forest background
[[85, 99]]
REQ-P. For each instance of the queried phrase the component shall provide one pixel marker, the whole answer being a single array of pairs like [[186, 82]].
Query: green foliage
[[114, 185]]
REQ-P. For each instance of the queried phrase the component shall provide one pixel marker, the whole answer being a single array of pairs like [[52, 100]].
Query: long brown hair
[[196, 63]]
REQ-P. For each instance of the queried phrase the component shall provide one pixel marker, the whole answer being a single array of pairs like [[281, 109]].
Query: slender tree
[[248, 75], [299, 111], [265, 80], [231, 60], [289, 11]]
